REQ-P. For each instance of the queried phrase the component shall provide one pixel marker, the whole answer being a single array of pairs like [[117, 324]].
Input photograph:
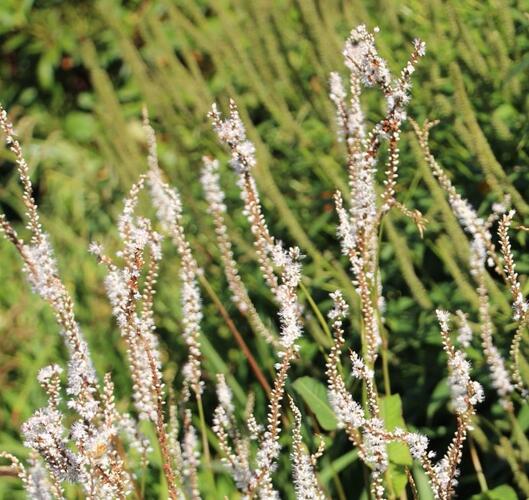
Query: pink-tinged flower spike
[[303, 465], [123, 289], [482, 248], [116, 481], [190, 456], [520, 304], [369, 69], [233, 133], [338, 97], [32, 214], [132, 306], [418, 444], [166, 201], [374, 436], [362, 58], [242, 163], [354, 246], [50, 379], [215, 198], [286, 296], [235, 449], [44, 433], [351, 125], [499, 374], [281, 269], [41, 270], [465, 395], [358, 228], [225, 395], [464, 331], [38, 485], [174, 445], [482, 252], [367, 434], [348, 412], [349, 116], [291, 330]]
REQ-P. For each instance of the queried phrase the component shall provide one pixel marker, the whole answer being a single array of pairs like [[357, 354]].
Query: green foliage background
[[74, 76]]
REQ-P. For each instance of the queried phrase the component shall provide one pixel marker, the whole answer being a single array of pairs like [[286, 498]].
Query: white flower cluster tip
[[465, 392], [233, 133]]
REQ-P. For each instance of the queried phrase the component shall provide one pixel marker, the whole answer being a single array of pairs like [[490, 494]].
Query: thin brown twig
[[237, 335]]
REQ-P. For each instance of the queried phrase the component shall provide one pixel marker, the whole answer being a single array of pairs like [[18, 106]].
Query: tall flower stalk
[[81, 437], [83, 453], [482, 253], [281, 269], [359, 225]]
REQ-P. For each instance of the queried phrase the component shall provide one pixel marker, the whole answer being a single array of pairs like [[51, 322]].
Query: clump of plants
[[80, 437]]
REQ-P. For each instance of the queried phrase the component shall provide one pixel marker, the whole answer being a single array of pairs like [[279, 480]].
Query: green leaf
[[46, 68], [335, 467], [438, 398], [523, 417], [520, 66], [215, 363], [399, 454], [503, 492], [422, 483], [391, 409], [314, 394], [399, 479], [80, 126]]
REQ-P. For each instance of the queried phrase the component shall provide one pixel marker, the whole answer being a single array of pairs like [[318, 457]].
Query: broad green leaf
[[391, 409], [503, 492], [422, 483], [523, 417], [399, 454], [46, 68], [80, 126], [213, 359], [398, 476], [337, 466], [314, 394], [438, 398]]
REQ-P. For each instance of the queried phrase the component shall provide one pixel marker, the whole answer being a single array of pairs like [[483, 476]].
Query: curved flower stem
[[237, 335], [205, 444], [477, 465]]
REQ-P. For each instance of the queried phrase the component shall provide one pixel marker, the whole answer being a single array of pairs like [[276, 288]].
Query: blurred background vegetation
[[74, 76]]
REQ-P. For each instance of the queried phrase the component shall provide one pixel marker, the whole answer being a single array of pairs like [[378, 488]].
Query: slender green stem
[[203, 430], [385, 340], [317, 312], [385, 372], [143, 478], [477, 465], [339, 487], [205, 443]]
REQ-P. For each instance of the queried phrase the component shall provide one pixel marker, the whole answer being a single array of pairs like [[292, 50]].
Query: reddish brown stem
[[237, 335]]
